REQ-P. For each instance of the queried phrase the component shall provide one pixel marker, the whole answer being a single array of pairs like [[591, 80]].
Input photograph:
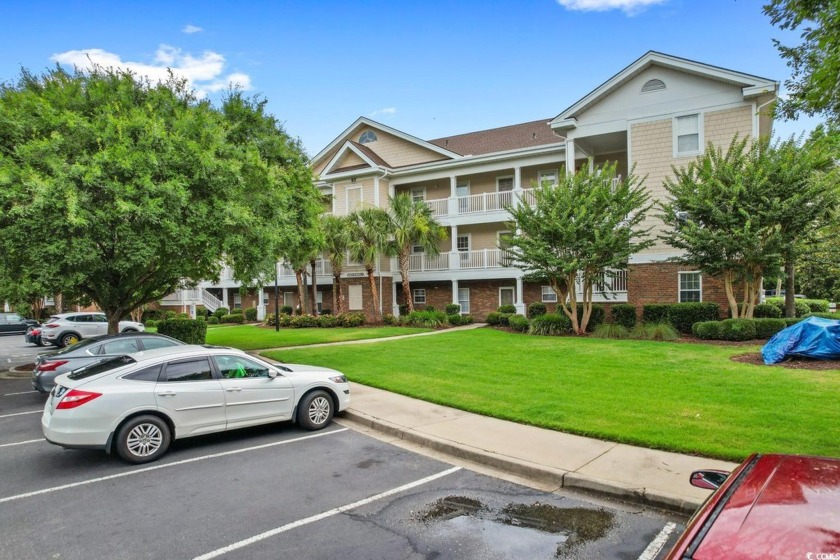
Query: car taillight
[[51, 366], [51, 325], [76, 398], [35, 332]]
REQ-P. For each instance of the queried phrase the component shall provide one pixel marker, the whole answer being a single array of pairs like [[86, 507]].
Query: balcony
[[482, 203], [457, 260], [322, 268]]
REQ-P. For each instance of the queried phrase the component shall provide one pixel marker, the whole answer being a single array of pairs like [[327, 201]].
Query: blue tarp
[[814, 337]]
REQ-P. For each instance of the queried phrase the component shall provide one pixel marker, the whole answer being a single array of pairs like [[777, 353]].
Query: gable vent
[[653, 85]]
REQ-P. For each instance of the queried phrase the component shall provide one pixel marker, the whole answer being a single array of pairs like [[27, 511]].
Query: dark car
[[12, 323], [33, 336], [771, 506], [49, 365]]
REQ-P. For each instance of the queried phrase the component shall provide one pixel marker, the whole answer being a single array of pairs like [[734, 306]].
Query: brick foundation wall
[[367, 300], [659, 283]]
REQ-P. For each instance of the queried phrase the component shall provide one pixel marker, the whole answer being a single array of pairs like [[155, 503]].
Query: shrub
[[151, 323], [655, 312], [518, 323], [832, 316], [403, 309], [611, 330], [251, 314], [286, 309], [351, 319], [624, 314], [155, 314], [504, 319], [767, 310], [707, 330], [813, 305], [494, 318], [507, 309], [792, 320], [467, 320], [452, 308], [536, 309], [454, 319], [285, 320], [221, 312], [802, 308], [738, 329], [185, 330], [236, 318], [765, 328], [200, 318], [595, 318], [212, 320], [303, 322], [426, 318], [326, 311], [816, 305], [654, 331], [389, 319], [429, 308], [550, 324], [328, 321], [683, 315]]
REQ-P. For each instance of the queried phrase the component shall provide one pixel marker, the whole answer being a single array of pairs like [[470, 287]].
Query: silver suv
[[65, 329]]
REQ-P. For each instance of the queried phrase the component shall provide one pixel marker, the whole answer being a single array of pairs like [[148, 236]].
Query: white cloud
[[189, 29], [629, 7], [386, 111], [203, 73]]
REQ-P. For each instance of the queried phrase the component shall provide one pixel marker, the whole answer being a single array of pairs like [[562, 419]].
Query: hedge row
[[186, 330], [741, 329], [430, 318], [681, 315], [345, 320]]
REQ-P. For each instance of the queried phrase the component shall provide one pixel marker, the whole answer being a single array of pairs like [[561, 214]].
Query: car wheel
[[315, 410], [69, 339], [143, 439], [129, 330], [39, 342]]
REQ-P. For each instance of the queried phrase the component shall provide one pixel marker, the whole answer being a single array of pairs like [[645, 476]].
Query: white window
[[691, 287], [354, 198], [547, 176], [419, 295], [237, 300], [504, 184], [319, 300], [367, 137], [462, 242], [688, 138], [354, 295], [548, 295], [417, 249], [464, 300], [419, 194], [289, 299], [265, 298], [507, 296]]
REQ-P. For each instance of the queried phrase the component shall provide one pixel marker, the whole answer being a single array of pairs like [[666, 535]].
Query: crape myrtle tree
[[126, 187], [577, 232], [410, 224]]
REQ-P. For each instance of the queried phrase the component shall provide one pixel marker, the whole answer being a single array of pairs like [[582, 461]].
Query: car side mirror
[[272, 373], [708, 480]]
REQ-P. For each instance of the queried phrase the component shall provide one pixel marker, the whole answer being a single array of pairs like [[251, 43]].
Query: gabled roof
[[370, 159], [517, 136], [751, 85], [373, 124]]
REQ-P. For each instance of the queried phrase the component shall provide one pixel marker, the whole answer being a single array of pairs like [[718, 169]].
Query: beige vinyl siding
[[349, 159], [367, 192], [341, 194], [398, 152], [721, 126], [435, 190], [620, 158], [482, 236], [529, 175], [384, 192]]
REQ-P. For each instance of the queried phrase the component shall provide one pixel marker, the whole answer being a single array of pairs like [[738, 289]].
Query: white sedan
[[137, 404]]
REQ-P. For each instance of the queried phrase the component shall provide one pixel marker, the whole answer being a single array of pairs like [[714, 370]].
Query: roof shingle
[[513, 137]]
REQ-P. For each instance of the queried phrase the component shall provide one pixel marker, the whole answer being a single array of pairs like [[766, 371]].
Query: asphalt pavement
[[15, 351]]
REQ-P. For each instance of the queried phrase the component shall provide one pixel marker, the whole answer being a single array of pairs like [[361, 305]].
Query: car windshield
[[101, 367], [78, 346]]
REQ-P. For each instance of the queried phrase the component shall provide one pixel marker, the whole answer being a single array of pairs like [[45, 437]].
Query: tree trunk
[[374, 293], [37, 306], [136, 314], [336, 282], [301, 289], [790, 302], [114, 316], [730, 294], [59, 303], [587, 304], [313, 294], [406, 287]]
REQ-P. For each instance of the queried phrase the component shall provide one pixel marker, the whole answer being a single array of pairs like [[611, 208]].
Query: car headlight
[[338, 379]]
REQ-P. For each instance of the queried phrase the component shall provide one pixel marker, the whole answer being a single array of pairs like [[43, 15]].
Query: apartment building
[[658, 112]]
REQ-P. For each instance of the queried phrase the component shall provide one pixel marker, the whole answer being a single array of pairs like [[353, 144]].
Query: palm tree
[[411, 223], [337, 242], [368, 238]]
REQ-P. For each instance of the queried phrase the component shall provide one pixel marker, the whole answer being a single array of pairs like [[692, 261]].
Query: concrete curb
[[15, 373], [539, 473]]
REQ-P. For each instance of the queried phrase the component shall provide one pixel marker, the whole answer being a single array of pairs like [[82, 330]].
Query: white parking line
[[22, 442], [166, 466], [21, 393], [40, 410], [655, 546], [324, 515]]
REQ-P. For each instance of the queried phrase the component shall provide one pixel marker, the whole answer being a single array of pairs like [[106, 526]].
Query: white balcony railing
[[421, 262], [479, 203], [457, 260], [322, 268]]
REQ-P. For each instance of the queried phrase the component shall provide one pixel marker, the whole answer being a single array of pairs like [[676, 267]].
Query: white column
[[453, 254], [570, 157], [517, 178], [455, 291], [225, 298], [520, 296], [261, 304], [395, 308], [452, 209]]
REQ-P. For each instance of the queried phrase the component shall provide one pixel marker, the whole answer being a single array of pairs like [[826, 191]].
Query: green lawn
[[251, 337], [681, 397]]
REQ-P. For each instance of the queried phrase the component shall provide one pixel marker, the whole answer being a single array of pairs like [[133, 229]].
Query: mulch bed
[[792, 363]]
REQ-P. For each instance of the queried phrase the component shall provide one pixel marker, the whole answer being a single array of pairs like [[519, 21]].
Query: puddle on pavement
[[519, 530]]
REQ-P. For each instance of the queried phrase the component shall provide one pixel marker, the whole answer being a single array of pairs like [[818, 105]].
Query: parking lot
[[279, 491], [15, 351]]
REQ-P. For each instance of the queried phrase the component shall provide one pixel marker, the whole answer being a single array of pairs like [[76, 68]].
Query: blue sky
[[430, 69]]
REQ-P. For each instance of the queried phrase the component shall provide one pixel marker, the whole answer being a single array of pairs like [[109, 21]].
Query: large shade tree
[[369, 230], [122, 188], [411, 224], [578, 232]]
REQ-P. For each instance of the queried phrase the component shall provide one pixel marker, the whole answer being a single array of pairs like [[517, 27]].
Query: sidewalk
[[635, 474]]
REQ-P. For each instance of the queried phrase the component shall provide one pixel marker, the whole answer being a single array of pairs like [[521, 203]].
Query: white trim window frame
[[510, 289], [464, 300], [289, 299], [692, 288], [689, 128], [418, 194], [508, 186], [237, 300], [351, 209], [548, 175], [418, 295], [548, 295]]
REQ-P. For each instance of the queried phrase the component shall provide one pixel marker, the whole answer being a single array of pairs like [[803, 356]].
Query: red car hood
[[786, 507]]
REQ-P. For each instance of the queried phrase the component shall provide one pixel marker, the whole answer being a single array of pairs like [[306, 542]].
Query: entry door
[[251, 396], [462, 191], [191, 397]]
